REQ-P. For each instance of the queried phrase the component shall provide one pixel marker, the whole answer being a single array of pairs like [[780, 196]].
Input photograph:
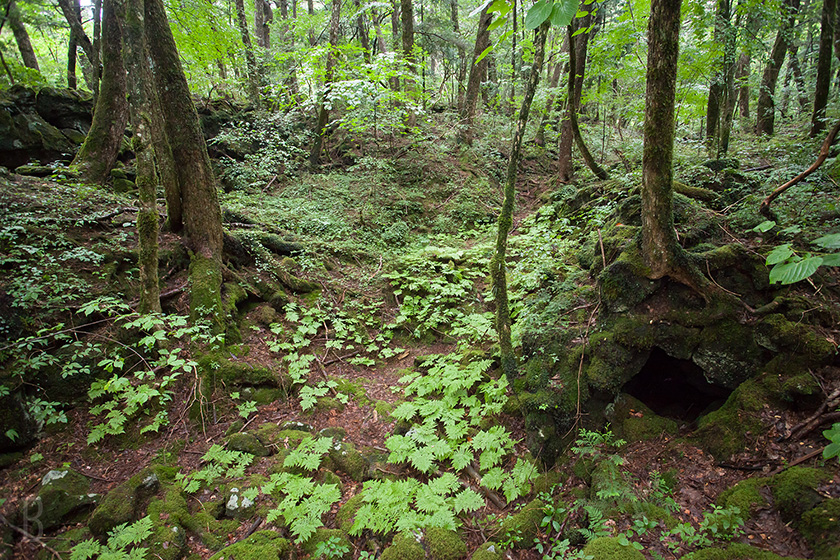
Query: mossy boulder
[[608, 548], [262, 545], [746, 495], [727, 353], [444, 544], [524, 525], [488, 551], [726, 430], [634, 421], [404, 547], [347, 512], [774, 332], [125, 503], [248, 443], [624, 283], [219, 367], [737, 551], [343, 456], [795, 491], [62, 499], [339, 542], [821, 528], [238, 506]]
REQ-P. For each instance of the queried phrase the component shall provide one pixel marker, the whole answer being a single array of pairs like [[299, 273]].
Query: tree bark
[[742, 77], [659, 240], [498, 270], [263, 17], [27, 53], [102, 145], [823, 86], [140, 109], [202, 215], [596, 169], [567, 133], [477, 70], [717, 88], [766, 109], [82, 40], [250, 61], [361, 30], [539, 139], [462, 52], [323, 111]]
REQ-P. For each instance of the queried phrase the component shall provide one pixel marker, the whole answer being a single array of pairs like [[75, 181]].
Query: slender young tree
[[477, 70], [27, 53], [98, 154], [766, 109], [573, 120], [68, 8], [498, 269], [323, 106], [252, 78], [823, 86]]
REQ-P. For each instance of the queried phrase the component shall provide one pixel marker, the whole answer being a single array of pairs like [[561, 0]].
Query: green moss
[[794, 490], [219, 369], [206, 290], [65, 541], [444, 544], [821, 527], [488, 551], [247, 443], [353, 389], [524, 524], [123, 504], [344, 457], [64, 497], [262, 545], [634, 421], [383, 409], [726, 430], [608, 548], [624, 283], [347, 513], [777, 334], [736, 551], [548, 481], [323, 535], [746, 495], [403, 547], [326, 404], [654, 513]]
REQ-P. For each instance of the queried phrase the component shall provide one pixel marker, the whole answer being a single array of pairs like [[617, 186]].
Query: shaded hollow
[[675, 388]]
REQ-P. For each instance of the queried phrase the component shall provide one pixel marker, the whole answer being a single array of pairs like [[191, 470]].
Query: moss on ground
[[347, 513], [524, 525], [746, 495], [488, 551], [736, 551], [444, 544], [634, 421], [334, 537], [821, 528], [262, 545], [794, 491], [725, 431], [403, 547], [608, 548]]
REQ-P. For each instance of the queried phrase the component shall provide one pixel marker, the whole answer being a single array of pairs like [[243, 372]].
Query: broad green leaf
[[764, 226], [500, 7], [538, 13], [497, 23], [831, 260], [793, 272], [563, 13], [779, 254], [828, 241]]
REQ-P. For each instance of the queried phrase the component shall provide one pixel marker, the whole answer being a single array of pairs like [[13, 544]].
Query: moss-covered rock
[[347, 513], [65, 541], [524, 525], [404, 547], [634, 421], [63, 498], [776, 333], [444, 544], [335, 539], [795, 491], [608, 548], [625, 283], [238, 506], [262, 545], [344, 457], [746, 495], [821, 527], [737, 551], [488, 551], [727, 353], [125, 503], [726, 430], [219, 368], [247, 443]]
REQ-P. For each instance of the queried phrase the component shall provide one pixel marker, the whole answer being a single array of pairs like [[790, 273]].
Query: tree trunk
[[798, 79], [263, 17], [82, 40], [827, 24], [27, 53], [97, 155], [716, 89], [572, 115], [361, 30], [766, 108], [659, 240], [477, 70], [539, 139], [202, 215], [742, 79], [395, 25], [462, 52], [323, 110], [567, 135], [72, 81], [498, 270], [140, 109], [250, 60]]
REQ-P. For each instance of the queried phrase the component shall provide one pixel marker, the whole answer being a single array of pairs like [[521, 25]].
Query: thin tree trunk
[[462, 52], [361, 30], [380, 40], [742, 77], [572, 115], [82, 40], [323, 111], [498, 270], [717, 87], [729, 95], [27, 53], [823, 86], [141, 108], [250, 60], [97, 155], [72, 81], [395, 24], [202, 215], [798, 79], [567, 134], [539, 139], [477, 70], [766, 105]]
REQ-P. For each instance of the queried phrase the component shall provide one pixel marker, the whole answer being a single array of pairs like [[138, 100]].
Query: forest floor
[[345, 220]]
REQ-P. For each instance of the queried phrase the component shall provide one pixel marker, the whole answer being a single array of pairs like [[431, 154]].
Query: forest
[[419, 279]]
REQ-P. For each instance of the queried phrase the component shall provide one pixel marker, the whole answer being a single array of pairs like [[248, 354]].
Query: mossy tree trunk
[[827, 23], [498, 270], [766, 109], [252, 78], [596, 169], [721, 101], [77, 31], [202, 215], [27, 53], [104, 140], [462, 52], [539, 139], [361, 30], [567, 134], [141, 107], [477, 71]]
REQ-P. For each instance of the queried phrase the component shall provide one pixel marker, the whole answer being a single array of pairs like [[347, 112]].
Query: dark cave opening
[[675, 388]]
